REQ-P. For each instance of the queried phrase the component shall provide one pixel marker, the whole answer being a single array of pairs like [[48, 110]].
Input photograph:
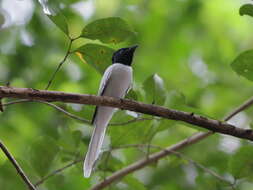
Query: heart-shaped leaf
[[98, 56], [243, 64], [108, 30], [246, 9]]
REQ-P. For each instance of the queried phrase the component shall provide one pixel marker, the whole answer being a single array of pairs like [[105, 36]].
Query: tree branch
[[167, 151], [16, 165], [49, 96], [180, 155]]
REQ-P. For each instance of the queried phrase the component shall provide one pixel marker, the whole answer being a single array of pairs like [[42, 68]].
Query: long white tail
[[94, 149]]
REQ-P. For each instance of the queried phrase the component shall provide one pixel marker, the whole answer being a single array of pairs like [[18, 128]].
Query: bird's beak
[[133, 48]]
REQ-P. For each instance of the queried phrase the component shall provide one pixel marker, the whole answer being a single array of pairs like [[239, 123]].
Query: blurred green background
[[183, 60]]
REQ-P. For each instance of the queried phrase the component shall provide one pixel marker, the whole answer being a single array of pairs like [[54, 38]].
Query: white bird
[[116, 82]]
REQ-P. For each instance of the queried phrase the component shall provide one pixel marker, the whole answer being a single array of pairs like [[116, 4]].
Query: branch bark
[[191, 118], [166, 152]]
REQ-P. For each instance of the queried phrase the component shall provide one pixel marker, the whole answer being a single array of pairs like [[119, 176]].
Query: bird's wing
[[103, 84], [99, 130], [110, 85]]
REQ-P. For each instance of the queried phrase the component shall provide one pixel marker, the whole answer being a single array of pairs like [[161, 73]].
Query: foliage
[[243, 64], [103, 30], [98, 56], [188, 59]]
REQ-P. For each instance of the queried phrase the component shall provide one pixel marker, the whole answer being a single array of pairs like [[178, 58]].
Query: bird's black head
[[124, 55]]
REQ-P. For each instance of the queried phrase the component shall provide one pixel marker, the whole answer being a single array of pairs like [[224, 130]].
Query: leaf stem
[[61, 63]]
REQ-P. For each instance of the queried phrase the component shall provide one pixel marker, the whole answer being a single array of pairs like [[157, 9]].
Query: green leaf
[[53, 11], [246, 9], [241, 164], [132, 95], [60, 21], [42, 154], [108, 162], [134, 183], [133, 134], [243, 65], [67, 140], [108, 30], [98, 56], [77, 136], [176, 99], [155, 90]]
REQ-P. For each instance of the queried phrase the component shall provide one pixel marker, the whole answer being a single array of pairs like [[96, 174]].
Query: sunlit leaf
[[108, 30], [243, 64], [155, 90], [246, 9], [98, 56], [42, 155]]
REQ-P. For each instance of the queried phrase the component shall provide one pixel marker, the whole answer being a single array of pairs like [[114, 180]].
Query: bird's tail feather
[[94, 149]]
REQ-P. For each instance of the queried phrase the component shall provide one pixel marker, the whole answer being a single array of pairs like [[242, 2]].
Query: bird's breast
[[120, 80]]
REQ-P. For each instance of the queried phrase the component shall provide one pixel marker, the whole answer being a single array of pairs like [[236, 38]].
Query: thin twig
[[161, 154], [51, 105], [75, 116], [17, 167], [60, 64], [242, 107], [57, 171]]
